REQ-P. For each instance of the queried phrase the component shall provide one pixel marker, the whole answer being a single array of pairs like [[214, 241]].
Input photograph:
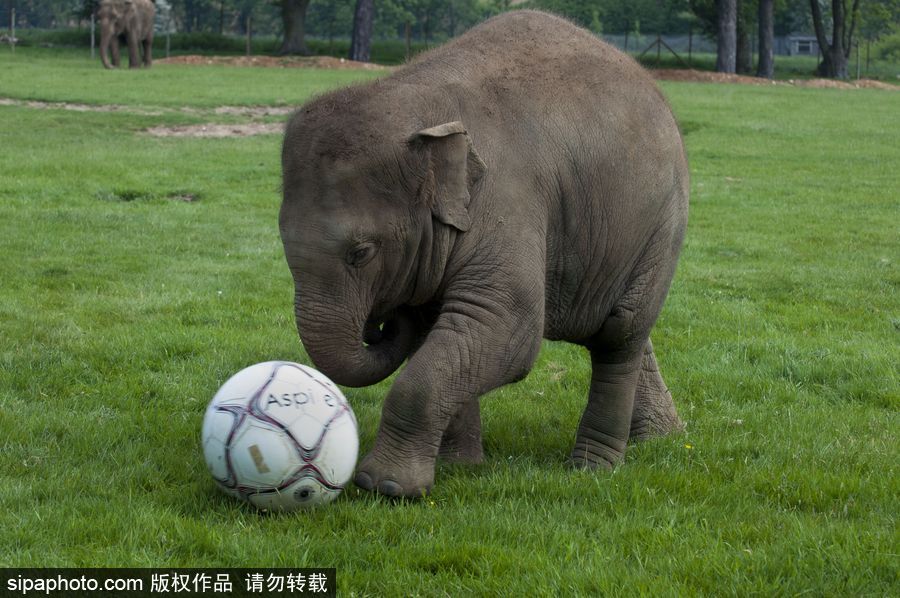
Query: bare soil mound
[[309, 62], [695, 76], [873, 84], [711, 77]]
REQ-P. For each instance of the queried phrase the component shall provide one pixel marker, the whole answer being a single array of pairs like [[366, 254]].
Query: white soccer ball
[[281, 436]]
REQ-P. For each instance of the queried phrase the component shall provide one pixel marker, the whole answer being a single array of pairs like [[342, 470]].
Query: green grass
[[385, 51], [67, 75], [779, 340]]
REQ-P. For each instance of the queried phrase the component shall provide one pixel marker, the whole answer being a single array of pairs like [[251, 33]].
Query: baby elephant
[[524, 181]]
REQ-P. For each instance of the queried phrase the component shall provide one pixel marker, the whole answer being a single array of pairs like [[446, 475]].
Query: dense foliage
[[436, 20]]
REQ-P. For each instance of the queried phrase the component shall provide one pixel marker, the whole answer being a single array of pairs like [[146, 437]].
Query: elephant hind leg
[[603, 430], [148, 52], [654, 411]]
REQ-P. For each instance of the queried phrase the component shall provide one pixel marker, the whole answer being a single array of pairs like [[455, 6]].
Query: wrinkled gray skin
[[524, 181], [132, 21]]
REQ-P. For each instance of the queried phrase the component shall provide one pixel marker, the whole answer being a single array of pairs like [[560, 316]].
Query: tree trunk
[[836, 54], [726, 38], [293, 15], [744, 50], [363, 20], [766, 67], [451, 19]]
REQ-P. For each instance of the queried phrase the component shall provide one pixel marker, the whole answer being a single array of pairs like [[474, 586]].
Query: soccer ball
[[281, 436]]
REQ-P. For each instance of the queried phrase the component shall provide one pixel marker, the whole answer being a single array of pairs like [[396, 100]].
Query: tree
[[878, 18], [330, 19], [726, 36], [835, 54], [293, 15], [363, 19], [766, 67], [744, 48]]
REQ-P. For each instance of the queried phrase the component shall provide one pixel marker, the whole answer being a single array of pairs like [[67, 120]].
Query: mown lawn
[[122, 310]]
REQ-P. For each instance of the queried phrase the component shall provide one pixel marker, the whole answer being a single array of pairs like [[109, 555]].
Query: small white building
[[802, 45]]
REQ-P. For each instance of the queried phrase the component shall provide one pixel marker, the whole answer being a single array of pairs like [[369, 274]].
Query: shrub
[[888, 48]]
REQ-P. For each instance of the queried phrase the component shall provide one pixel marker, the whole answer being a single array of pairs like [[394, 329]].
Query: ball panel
[[217, 424], [244, 384], [339, 451], [261, 455], [214, 455], [304, 493]]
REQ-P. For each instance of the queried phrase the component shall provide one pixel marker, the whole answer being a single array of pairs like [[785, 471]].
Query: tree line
[[734, 24]]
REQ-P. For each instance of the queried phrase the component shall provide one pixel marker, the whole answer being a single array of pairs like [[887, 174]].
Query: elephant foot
[[655, 420], [595, 454], [396, 479], [654, 411]]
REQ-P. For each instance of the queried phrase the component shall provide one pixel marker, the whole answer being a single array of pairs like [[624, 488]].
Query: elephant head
[[368, 220]]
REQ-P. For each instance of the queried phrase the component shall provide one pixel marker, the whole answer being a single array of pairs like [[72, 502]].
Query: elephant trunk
[[350, 345], [105, 40]]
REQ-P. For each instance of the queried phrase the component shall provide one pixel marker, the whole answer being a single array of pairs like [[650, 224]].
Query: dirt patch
[[184, 196], [309, 62], [78, 107], [255, 111], [821, 84], [130, 195], [217, 131], [711, 77]]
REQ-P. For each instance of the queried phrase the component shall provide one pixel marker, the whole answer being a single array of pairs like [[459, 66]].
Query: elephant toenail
[[390, 488], [364, 481]]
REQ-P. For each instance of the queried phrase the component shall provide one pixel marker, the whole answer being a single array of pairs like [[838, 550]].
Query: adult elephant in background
[[524, 181], [131, 20]]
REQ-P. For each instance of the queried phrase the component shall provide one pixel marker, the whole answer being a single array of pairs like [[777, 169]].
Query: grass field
[[123, 310], [393, 51]]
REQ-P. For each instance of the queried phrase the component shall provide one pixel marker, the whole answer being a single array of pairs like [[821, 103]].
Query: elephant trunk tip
[[370, 356]]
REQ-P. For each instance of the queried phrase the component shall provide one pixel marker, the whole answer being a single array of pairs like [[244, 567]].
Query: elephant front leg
[[416, 412], [461, 442], [134, 57], [114, 50], [433, 407]]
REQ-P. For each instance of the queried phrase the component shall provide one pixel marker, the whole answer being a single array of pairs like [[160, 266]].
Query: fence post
[[857, 60], [92, 35], [406, 36], [12, 30], [690, 44], [248, 34]]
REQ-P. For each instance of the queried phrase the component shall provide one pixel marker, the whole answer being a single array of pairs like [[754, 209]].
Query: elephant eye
[[361, 254]]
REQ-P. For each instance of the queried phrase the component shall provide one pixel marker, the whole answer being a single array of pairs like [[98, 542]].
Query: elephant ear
[[453, 169]]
